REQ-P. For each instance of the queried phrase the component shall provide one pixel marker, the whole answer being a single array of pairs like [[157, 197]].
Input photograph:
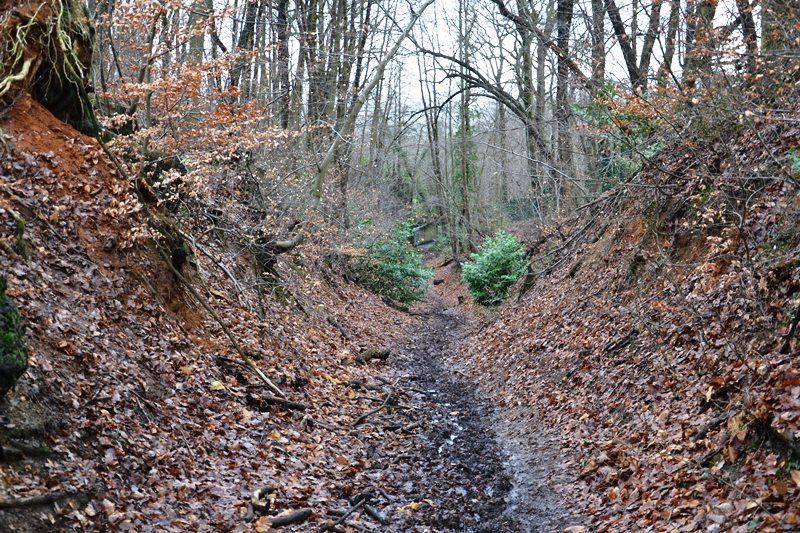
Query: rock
[[13, 358]]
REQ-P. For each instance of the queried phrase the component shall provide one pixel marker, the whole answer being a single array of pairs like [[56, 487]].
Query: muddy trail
[[473, 471]]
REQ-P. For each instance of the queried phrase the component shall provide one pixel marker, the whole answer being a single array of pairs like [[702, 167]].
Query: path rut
[[478, 472]]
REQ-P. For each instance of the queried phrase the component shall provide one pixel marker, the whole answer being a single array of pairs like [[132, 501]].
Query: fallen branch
[[292, 516], [286, 245], [712, 424], [32, 501], [308, 422], [333, 322], [411, 427], [341, 519], [372, 353], [361, 384], [376, 514], [288, 404]]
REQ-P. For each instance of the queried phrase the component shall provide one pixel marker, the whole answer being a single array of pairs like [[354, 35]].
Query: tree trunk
[[244, 44], [699, 41], [649, 40], [628, 51], [665, 69], [598, 44], [282, 24], [749, 33], [564, 26]]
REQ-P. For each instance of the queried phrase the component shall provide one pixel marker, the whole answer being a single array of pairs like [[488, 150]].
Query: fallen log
[[292, 516], [369, 354]]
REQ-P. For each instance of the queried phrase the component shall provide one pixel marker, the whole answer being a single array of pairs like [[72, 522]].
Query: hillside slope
[[656, 344], [136, 413]]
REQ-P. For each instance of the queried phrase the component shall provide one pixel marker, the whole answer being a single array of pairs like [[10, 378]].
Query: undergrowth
[[393, 269]]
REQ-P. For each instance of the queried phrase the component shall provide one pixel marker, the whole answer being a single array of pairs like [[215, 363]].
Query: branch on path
[[32, 501]]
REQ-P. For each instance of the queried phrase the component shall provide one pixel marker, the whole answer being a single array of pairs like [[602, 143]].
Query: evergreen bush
[[499, 262], [393, 269]]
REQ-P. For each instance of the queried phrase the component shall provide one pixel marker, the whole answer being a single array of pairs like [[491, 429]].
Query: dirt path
[[475, 471]]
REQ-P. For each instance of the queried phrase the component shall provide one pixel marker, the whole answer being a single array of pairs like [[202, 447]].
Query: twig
[[341, 519], [371, 412]]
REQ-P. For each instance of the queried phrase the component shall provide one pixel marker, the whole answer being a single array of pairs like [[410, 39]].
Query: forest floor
[[142, 420], [645, 382]]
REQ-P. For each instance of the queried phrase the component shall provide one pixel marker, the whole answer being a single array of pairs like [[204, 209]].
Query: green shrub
[[499, 262], [393, 269]]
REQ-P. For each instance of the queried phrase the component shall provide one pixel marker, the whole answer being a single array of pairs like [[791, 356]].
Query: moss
[[19, 243], [13, 357]]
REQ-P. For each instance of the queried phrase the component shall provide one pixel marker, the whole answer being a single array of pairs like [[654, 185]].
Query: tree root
[[203, 302]]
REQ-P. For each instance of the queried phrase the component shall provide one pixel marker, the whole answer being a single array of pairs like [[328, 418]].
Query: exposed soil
[[476, 473]]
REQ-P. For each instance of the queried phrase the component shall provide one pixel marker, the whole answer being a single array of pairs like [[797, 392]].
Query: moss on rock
[[13, 357]]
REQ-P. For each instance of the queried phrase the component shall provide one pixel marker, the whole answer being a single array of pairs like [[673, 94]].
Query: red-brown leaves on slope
[[654, 356]]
